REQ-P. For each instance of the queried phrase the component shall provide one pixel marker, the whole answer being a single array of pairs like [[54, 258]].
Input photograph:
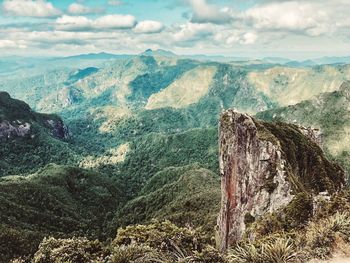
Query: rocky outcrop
[[264, 166], [14, 129], [313, 134], [17, 119], [58, 128]]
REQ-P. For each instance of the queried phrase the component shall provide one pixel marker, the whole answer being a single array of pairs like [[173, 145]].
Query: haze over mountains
[[14, 63]]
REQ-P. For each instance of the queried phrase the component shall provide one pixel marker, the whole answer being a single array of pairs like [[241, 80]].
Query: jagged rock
[[264, 167]]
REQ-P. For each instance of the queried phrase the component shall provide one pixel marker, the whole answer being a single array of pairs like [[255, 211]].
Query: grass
[[279, 250]]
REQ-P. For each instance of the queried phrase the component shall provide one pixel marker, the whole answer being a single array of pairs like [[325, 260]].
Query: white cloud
[[232, 37], [193, 32], [249, 38], [269, 27], [72, 23], [304, 17], [30, 8], [79, 23], [115, 21], [5, 43], [80, 9], [205, 13], [148, 27]]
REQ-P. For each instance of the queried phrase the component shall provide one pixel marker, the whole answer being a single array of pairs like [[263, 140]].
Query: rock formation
[[14, 129], [17, 119], [264, 166], [58, 128]]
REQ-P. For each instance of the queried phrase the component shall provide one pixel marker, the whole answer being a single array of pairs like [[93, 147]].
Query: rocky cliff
[[266, 167], [17, 119]]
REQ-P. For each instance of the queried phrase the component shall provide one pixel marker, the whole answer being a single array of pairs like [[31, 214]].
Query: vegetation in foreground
[[162, 241]]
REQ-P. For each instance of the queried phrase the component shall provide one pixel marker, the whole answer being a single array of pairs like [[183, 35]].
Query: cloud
[[193, 32], [302, 17], [5, 43], [79, 9], [249, 38], [81, 23], [30, 8], [73, 23], [232, 37], [205, 13], [115, 22], [149, 27], [266, 27]]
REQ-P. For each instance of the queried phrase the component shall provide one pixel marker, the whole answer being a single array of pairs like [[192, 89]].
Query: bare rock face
[[263, 167], [58, 129], [17, 119], [14, 129]]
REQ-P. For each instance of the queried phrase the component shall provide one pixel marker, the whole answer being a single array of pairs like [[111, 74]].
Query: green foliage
[[320, 236], [58, 201], [136, 253], [163, 236], [74, 250], [303, 156], [293, 216], [329, 112], [143, 86], [157, 242], [26, 155], [280, 250], [185, 195], [154, 152]]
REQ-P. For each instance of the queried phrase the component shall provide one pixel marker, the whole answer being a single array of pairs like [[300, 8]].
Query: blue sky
[[299, 29]]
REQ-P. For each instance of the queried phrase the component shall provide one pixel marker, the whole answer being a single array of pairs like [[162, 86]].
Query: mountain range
[[124, 139]]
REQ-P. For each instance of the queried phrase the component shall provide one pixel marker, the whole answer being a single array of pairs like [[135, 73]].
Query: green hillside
[[328, 112], [58, 201]]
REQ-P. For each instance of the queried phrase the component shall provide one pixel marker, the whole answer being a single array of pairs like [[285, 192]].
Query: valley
[[121, 141]]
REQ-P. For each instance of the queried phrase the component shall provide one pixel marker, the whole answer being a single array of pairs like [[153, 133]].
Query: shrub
[[320, 236], [163, 236], [280, 250], [209, 254], [77, 250], [247, 253], [136, 253]]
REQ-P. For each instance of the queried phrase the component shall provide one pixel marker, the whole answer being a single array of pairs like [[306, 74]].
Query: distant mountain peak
[[158, 52]]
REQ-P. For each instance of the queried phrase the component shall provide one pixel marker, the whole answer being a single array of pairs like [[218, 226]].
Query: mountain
[[158, 52], [28, 139], [328, 112], [95, 56], [146, 124], [276, 60], [333, 60], [288, 85]]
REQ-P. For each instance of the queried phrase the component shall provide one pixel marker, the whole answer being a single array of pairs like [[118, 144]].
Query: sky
[[298, 29]]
